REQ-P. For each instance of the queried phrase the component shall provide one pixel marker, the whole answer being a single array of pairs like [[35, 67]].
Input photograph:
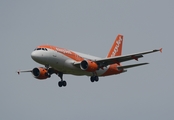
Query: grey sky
[[144, 93]]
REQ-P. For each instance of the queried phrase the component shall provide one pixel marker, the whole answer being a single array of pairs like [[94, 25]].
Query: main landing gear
[[94, 78], [62, 82]]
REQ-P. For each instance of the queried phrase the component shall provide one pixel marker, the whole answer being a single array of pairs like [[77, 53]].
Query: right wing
[[118, 59]]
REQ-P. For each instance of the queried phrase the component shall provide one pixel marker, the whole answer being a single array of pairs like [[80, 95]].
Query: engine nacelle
[[88, 65], [40, 73]]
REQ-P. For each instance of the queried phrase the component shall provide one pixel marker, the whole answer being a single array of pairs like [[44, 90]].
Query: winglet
[[161, 49], [18, 72]]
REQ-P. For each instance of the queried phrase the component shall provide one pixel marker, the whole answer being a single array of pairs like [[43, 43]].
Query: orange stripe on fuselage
[[112, 70], [63, 51]]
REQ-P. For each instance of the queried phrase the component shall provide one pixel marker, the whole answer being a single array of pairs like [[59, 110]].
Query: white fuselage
[[63, 63]]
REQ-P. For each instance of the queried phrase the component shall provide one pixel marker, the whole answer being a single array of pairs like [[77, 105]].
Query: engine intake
[[88, 65], [40, 73]]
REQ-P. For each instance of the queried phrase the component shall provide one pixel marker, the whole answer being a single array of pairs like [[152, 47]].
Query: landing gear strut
[[49, 73], [94, 78], [62, 82], [60, 74]]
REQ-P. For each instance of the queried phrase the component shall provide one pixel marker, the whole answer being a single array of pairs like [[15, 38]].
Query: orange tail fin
[[116, 49]]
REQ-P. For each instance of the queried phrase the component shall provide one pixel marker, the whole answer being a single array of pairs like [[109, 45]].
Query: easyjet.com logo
[[118, 42]]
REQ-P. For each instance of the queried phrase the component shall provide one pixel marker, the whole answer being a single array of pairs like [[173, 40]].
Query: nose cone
[[34, 56], [37, 56]]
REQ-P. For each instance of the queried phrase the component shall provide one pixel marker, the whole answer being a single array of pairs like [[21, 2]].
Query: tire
[[92, 79], [60, 83], [96, 78], [64, 83]]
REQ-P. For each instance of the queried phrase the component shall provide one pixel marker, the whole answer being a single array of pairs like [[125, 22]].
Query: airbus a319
[[62, 61]]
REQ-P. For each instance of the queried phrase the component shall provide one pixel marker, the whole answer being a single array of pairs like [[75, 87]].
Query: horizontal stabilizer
[[130, 66]]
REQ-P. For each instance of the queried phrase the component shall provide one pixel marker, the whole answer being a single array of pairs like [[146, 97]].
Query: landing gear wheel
[[92, 79], [60, 83], [64, 83], [96, 78]]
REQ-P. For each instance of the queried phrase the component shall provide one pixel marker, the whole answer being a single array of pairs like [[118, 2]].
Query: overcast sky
[[142, 93]]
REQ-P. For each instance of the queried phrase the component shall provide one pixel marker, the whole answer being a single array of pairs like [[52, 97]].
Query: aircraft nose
[[34, 55], [39, 56]]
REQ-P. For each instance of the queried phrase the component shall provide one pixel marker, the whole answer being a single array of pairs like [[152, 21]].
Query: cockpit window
[[41, 49]]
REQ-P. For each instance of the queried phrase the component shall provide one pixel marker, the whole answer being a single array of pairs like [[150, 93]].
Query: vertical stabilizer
[[116, 49]]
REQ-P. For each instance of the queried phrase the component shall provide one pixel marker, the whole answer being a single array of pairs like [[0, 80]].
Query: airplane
[[62, 61]]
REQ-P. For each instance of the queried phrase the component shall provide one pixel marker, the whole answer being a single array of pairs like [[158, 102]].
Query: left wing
[[118, 59], [23, 71]]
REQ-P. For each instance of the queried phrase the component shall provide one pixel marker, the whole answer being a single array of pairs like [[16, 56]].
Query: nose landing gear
[[60, 74], [62, 82]]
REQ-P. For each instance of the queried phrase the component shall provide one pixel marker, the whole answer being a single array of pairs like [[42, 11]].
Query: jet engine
[[88, 65], [40, 73]]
